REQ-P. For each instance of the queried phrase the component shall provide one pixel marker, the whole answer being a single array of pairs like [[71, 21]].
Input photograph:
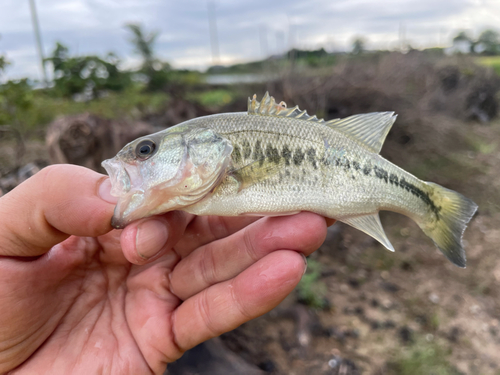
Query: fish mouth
[[123, 186], [120, 179], [126, 210]]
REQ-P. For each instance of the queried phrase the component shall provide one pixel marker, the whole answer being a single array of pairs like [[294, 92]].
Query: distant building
[[459, 46]]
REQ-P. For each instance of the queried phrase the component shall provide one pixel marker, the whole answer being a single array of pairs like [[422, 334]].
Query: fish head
[[166, 171]]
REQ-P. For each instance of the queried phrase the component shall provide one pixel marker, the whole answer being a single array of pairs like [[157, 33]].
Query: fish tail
[[449, 216]]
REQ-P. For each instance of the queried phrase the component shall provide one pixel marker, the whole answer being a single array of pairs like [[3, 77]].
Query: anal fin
[[370, 224]]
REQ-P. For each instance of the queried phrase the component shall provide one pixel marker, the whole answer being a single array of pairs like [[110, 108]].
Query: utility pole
[[214, 38], [38, 39]]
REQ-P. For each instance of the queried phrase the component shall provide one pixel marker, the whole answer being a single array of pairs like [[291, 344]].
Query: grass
[[378, 258], [423, 358], [39, 108], [490, 61], [214, 98], [311, 290]]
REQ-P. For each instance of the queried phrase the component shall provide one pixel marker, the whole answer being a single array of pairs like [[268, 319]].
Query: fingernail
[[305, 262], [151, 236], [105, 192]]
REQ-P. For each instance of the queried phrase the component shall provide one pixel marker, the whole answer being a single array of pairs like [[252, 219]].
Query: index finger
[[57, 202]]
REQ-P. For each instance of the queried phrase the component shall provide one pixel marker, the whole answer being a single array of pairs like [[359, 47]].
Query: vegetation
[[214, 98], [488, 42], [155, 72], [97, 84], [423, 358], [87, 77], [3, 63], [491, 61], [30, 110], [311, 290], [358, 45]]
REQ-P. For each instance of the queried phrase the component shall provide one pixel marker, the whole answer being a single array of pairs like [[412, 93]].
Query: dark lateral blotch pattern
[[298, 156]]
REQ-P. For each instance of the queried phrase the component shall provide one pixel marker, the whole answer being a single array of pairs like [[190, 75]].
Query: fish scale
[[273, 160], [332, 183]]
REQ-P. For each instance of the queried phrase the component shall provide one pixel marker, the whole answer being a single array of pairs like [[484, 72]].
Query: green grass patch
[[311, 290], [491, 61], [422, 358], [31, 110], [214, 98]]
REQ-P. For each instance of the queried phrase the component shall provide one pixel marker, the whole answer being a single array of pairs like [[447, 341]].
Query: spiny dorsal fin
[[370, 129], [268, 106], [370, 224]]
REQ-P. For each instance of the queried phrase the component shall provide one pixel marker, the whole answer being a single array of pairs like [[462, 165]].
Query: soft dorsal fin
[[369, 129], [370, 224]]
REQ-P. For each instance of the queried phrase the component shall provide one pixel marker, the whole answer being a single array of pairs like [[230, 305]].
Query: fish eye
[[145, 149]]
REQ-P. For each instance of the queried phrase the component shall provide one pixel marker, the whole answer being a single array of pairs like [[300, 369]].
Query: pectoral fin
[[256, 172], [370, 224]]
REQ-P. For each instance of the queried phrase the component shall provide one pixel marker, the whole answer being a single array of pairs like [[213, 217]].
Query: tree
[[156, 72], [358, 45], [489, 42], [463, 36], [144, 45], [89, 76], [16, 99], [3, 62]]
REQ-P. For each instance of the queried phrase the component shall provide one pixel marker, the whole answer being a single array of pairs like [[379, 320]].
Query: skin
[[79, 297]]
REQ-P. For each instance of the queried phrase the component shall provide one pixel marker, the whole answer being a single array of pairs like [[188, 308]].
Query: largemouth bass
[[273, 160]]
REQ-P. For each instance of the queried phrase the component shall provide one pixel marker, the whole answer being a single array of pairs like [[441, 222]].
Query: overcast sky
[[247, 30]]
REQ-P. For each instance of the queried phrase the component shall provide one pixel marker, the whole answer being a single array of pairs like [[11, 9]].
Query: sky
[[246, 30]]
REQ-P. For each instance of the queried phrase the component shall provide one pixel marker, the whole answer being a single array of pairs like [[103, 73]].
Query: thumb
[[59, 201]]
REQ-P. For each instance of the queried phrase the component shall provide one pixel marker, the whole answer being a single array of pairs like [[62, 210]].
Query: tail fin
[[453, 215]]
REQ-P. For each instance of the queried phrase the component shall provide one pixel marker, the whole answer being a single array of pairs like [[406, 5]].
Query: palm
[[97, 312]]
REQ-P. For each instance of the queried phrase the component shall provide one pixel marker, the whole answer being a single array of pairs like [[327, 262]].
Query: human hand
[[77, 297]]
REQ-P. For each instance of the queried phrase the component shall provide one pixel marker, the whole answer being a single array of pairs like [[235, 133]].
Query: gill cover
[[166, 171]]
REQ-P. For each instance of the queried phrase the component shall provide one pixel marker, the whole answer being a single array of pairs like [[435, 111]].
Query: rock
[[434, 298], [19, 175], [358, 310], [211, 358], [343, 366], [406, 266], [390, 287], [389, 324], [267, 366], [354, 282], [406, 334]]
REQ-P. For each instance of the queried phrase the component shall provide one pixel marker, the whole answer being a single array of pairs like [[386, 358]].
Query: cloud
[[96, 26]]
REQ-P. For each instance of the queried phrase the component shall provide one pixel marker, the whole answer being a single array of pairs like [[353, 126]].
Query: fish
[[273, 160]]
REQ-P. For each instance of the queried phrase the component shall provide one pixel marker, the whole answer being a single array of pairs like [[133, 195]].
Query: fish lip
[[123, 214], [119, 176], [118, 222]]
